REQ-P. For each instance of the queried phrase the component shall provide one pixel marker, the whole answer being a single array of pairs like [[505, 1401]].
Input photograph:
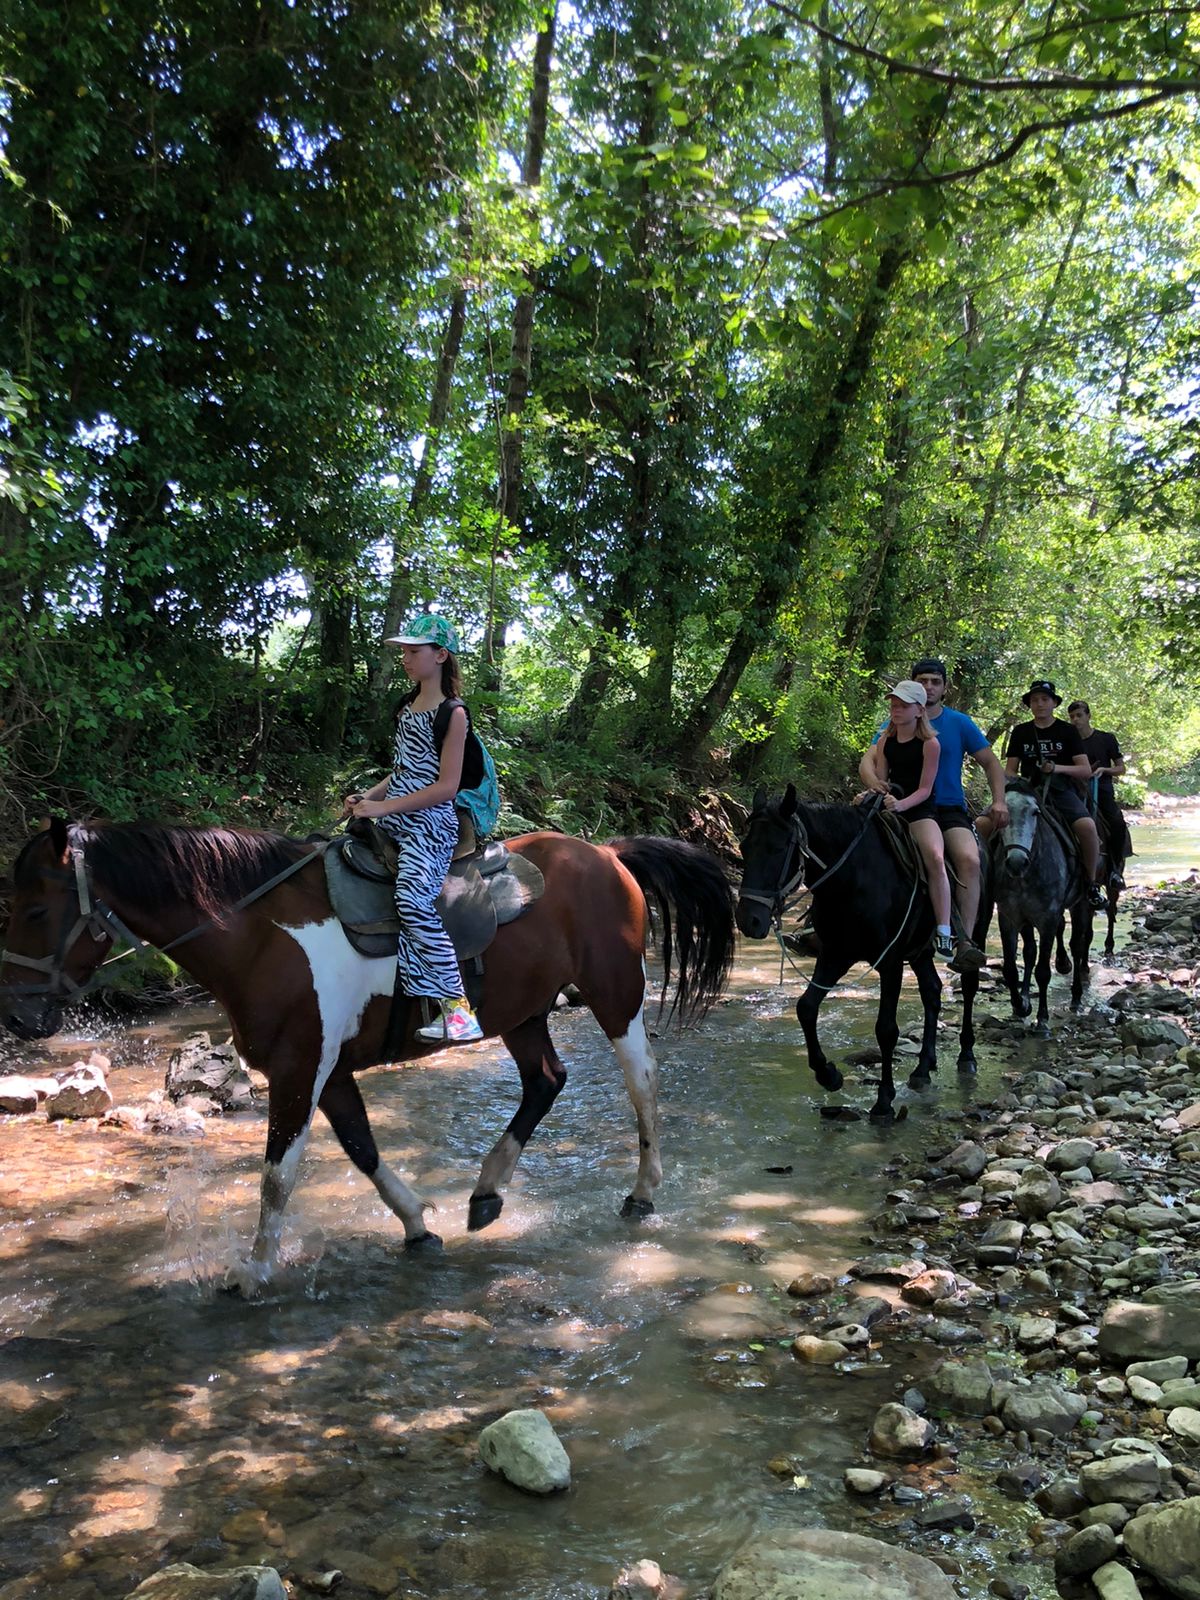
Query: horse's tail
[[691, 900]]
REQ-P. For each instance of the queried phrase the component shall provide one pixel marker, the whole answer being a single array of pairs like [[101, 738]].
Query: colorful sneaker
[[943, 945], [457, 1024], [1097, 897], [968, 957]]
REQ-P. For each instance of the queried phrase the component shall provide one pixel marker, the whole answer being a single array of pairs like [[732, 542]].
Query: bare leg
[[929, 840], [1089, 845], [963, 855]]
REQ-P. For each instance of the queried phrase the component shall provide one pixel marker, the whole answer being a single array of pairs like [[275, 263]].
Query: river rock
[[822, 1564], [522, 1447], [185, 1582], [1160, 1371], [1085, 1551], [1133, 1471], [819, 1352], [1115, 1582], [1037, 1194], [806, 1284], [861, 1480], [964, 1386], [19, 1095], [1184, 1423], [1131, 1330], [1043, 1405], [1183, 1292], [1071, 1153], [646, 1580], [966, 1160], [936, 1284], [886, 1269], [897, 1431], [215, 1071], [82, 1093], [1145, 1033], [1166, 1543], [1148, 1217]]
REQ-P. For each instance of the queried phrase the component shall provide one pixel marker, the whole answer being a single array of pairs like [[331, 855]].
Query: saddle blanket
[[482, 891]]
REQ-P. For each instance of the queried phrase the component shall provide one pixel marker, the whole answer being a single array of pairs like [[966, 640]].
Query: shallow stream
[[144, 1417]]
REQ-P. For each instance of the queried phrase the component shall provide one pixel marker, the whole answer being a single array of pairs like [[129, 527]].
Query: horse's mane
[[207, 868], [836, 823]]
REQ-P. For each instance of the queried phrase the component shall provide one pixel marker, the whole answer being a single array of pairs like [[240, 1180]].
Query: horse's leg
[[1062, 961], [1114, 894], [542, 1076], [1008, 948], [826, 973], [289, 1117], [1082, 923], [886, 1034], [966, 1037], [1029, 945], [930, 986], [1046, 939], [342, 1103]]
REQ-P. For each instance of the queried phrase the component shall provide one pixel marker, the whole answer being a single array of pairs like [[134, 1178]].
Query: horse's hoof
[[1023, 1009], [634, 1207], [828, 1077], [483, 1211], [919, 1080], [1062, 965], [840, 1113], [428, 1242], [887, 1114], [1042, 1031], [968, 1064], [244, 1280]]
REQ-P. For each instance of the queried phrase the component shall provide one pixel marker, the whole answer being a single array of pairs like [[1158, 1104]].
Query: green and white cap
[[427, 629]]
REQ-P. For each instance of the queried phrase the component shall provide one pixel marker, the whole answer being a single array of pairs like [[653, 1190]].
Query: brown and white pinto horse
[[308, 1012]]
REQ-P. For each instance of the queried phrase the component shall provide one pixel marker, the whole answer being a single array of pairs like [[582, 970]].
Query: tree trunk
[[508, 488], [780, 568], [399, 594]]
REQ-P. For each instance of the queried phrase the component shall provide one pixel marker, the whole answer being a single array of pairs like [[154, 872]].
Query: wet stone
[[944, 1515], [1088, 1549]]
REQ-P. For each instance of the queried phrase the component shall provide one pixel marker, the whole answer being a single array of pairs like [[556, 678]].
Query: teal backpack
[[478, 790]]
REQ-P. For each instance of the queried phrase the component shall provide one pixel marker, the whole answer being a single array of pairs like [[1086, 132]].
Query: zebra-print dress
[[427, 839]]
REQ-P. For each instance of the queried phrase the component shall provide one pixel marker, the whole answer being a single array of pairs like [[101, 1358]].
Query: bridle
[[90, 914]]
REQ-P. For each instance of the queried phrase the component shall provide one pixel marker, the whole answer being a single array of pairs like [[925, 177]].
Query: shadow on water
[[144, 1417]]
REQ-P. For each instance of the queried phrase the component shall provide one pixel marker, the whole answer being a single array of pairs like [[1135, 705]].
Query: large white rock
[[185, 1582], [1167, 1544], [82, 1093], [822, 1564], [522, 1447]]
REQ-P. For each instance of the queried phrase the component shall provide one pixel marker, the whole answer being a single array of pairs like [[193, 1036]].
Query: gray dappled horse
[[1034, 880]]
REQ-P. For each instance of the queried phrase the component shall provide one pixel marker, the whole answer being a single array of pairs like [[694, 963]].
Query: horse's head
[[772, 861], [1015, 839], [55, 941]]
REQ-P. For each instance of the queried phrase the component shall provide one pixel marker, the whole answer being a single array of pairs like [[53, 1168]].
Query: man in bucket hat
[[1047, 748], [958, 737]]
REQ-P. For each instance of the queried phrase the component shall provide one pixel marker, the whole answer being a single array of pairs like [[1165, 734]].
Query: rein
[[102, 922]]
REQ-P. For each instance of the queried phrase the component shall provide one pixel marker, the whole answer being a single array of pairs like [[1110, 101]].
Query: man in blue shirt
[[958, 737]]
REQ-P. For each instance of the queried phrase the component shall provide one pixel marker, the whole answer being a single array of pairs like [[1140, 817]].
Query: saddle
[[484, 889]]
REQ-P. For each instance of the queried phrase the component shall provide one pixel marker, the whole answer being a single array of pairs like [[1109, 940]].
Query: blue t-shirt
[[959, 737]]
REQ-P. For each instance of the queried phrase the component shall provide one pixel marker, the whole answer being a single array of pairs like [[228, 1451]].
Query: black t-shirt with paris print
[[1031, 745]]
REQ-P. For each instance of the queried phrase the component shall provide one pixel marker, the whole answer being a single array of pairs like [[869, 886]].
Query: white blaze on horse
[[308, 1012]]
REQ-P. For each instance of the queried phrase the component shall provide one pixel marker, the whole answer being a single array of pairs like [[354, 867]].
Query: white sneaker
[[459, 1025]]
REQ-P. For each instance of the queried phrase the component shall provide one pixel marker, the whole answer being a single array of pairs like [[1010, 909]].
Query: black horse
[[866, 907], [1035, 880]]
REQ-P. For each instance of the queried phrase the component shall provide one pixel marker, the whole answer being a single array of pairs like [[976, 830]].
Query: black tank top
[[904, 763]]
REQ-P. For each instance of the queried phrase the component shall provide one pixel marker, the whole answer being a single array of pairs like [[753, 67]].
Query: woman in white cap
[[415, 804], [905, 758]]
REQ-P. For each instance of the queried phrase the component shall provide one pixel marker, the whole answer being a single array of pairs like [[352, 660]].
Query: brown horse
[[308, 1012]]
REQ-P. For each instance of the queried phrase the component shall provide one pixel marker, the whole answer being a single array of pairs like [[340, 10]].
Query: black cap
[[1042, 686], [930, 664]]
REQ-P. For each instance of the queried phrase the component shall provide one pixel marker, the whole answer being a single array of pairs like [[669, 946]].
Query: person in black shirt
[[905, 757], [1044, 747], [1104, 753]]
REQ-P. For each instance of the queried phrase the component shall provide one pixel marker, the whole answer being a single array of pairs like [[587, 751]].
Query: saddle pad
[[471, 906]]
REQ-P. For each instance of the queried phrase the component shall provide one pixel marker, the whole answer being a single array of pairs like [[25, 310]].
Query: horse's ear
[[788, 808], [58, 839], [760, 799]]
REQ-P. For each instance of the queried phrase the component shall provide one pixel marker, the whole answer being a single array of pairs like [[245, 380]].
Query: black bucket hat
[[1042, 686]]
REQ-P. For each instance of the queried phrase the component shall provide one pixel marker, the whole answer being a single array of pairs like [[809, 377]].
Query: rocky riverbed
[[1029, 1291]]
